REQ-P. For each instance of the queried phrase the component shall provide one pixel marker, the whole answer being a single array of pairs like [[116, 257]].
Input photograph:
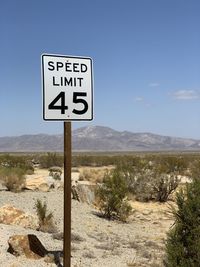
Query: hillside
[[98, 138]]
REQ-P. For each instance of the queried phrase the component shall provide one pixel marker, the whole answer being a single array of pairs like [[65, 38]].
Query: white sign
[[67, 88]]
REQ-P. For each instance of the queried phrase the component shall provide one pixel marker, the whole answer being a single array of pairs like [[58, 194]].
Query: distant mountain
[[98, 138]]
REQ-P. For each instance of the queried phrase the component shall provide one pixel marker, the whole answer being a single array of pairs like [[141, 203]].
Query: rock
[[40, 183], [86, 192], [2, 186], [44, 187], [26, 245], [58, 185], [14, 216]]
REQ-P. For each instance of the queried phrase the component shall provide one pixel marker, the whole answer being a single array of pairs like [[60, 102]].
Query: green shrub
[[112, 196], [183, 240], [46, 223]]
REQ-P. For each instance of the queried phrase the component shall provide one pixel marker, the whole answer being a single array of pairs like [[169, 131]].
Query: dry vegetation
[[133, 189]]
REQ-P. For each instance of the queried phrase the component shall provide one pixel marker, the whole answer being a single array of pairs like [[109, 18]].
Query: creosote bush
[[158, 179], [164, 186], [183, 240], [112, 196], [46, 223], [166, 176], [50, 160]]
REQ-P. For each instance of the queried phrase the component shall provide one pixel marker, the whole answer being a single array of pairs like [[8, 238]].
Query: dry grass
[[76, 238]]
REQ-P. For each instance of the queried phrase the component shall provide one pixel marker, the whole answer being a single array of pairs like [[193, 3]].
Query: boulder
[[86, 191], [40, 183], [14, 216], [26, 245]]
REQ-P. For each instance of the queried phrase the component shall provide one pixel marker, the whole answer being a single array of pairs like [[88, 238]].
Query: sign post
[[67, 96], [67, 195]]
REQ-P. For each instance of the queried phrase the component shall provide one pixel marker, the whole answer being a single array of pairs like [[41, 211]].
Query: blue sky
[[146, 62]]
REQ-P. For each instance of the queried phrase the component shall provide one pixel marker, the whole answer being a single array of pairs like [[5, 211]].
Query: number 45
[[77, 98]]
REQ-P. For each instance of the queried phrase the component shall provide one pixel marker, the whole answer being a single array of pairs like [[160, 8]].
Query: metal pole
[[67, 195]]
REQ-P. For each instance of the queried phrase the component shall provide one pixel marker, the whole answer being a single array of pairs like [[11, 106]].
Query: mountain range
[[98, 138]]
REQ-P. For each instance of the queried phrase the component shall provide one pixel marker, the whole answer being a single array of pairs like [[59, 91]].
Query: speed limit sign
[[67, 88]]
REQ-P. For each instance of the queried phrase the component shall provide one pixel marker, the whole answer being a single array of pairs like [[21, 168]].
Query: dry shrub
[[55, 172], [13, 179], [76, 238], [14, 183], [46, 223], [153, 185]]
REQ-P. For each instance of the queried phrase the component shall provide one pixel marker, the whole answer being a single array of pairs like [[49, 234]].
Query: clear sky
[[146, 57]]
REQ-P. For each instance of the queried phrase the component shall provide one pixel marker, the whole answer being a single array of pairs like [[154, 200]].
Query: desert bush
[[166, 176], [143, 186], [96, 160], [171, 164], [136, 172], [76, 238], [183, 240], [55, 172], [46, 223], [101, 159], [13, 178], [164, 185], [158, 180], [129, 169], [17, 161], [112, 196], [151, 186], [194, 170], [51, 159]]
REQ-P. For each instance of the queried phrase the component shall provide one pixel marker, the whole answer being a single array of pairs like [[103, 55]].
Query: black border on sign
[[43, 86]]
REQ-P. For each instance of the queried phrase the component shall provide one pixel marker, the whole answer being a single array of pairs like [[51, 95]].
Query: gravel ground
[[96, 242]]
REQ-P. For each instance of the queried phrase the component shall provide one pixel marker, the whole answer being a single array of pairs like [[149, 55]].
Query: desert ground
[[96, 241]]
